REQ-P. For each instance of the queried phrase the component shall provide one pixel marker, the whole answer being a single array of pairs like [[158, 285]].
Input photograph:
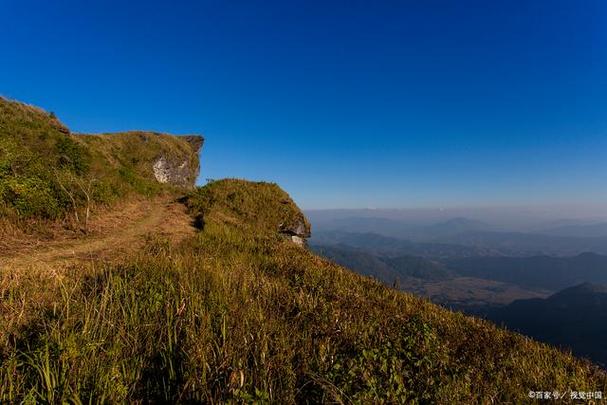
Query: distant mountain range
[[578, 231], [389, 246], [459, 277], [471, 237], [404, 230], [428, 278], [389, 270], [574, 318], [528, 244], [543, 272]]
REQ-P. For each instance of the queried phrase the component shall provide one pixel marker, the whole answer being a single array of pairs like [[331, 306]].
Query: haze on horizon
[[344, 104], [518, 218]]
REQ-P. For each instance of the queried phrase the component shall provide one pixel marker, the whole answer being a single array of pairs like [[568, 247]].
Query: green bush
[[104, 192], [138, 183], [73, 156], [30, 196]]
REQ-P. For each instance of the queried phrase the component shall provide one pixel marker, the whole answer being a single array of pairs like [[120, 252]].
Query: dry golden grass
[[31, 273], [238, 313]]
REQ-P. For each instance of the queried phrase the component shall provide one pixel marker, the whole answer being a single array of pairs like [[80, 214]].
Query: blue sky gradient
[[344, 104]]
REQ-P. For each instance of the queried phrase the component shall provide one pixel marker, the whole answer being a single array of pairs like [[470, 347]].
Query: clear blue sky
[[344, 104]]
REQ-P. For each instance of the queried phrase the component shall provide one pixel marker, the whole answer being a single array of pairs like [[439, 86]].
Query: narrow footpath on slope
[[117, 232]]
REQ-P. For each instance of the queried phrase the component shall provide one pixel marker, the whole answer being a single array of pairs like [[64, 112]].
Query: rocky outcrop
[[179, 171], [166, 172], [162, 158], [298, 232]]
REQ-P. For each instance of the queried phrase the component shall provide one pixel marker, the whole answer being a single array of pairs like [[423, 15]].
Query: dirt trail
[[116, 233]]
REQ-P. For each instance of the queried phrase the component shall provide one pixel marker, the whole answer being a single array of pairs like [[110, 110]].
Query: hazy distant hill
[[387, 246], [452, 227], [359, 261], [578, 231], [553, 273], [529, 244], [559, 240], [383, 226], [575, 318], [386, 269], [429, 278], [419, 267], [402, 229]]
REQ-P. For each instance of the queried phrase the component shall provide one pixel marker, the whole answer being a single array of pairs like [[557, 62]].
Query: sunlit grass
[[239, 313]]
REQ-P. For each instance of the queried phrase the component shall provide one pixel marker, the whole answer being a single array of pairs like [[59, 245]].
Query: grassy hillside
[[47, 173], [236, 312], [240, 313]]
